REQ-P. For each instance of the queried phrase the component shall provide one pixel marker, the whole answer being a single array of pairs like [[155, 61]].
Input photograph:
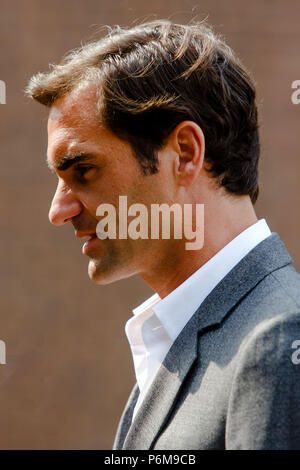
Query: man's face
[[93, 167]]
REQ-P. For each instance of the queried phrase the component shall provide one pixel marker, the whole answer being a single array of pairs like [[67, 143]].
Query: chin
[[98, 274], [103, 274]]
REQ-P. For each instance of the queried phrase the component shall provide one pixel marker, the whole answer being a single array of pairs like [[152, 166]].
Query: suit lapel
[[126, 418], [161, 396]]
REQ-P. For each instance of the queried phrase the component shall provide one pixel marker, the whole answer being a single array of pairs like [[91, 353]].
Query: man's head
[[125, 110]]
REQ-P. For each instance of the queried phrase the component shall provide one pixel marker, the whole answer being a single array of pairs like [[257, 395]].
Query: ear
[[189, 144]]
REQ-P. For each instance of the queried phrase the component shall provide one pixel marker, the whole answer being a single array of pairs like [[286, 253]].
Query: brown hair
[[157, 74]]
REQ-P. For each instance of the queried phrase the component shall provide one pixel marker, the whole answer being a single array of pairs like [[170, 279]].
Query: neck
[[222, 223]]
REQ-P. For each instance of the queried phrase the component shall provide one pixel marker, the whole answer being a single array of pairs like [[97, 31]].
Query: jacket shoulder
[[263, 410]]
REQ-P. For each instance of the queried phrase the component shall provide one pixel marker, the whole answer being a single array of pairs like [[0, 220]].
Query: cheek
[[153, 190], [90, 200], [130, 182]]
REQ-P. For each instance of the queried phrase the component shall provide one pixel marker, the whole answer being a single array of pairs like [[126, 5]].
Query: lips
[[88, 245], [91, 238]]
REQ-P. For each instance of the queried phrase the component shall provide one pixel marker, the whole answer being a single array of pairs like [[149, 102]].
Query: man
[[165, 114]]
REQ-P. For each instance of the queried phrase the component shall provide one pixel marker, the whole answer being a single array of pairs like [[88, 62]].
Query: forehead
[[73, 119]]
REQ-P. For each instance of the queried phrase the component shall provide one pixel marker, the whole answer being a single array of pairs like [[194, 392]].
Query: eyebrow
[[67, 161]]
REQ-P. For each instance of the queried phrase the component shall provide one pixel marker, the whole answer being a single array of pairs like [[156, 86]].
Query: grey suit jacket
[[229, 380]]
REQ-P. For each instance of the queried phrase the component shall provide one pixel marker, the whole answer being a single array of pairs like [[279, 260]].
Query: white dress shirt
[[157, 322]]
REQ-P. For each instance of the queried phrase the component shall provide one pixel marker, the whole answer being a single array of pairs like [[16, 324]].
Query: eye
[[81, 171]]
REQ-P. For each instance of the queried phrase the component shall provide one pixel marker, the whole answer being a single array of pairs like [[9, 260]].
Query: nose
[[64, 206]]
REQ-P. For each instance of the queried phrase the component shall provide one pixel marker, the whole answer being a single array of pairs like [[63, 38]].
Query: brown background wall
[[69, 369]]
